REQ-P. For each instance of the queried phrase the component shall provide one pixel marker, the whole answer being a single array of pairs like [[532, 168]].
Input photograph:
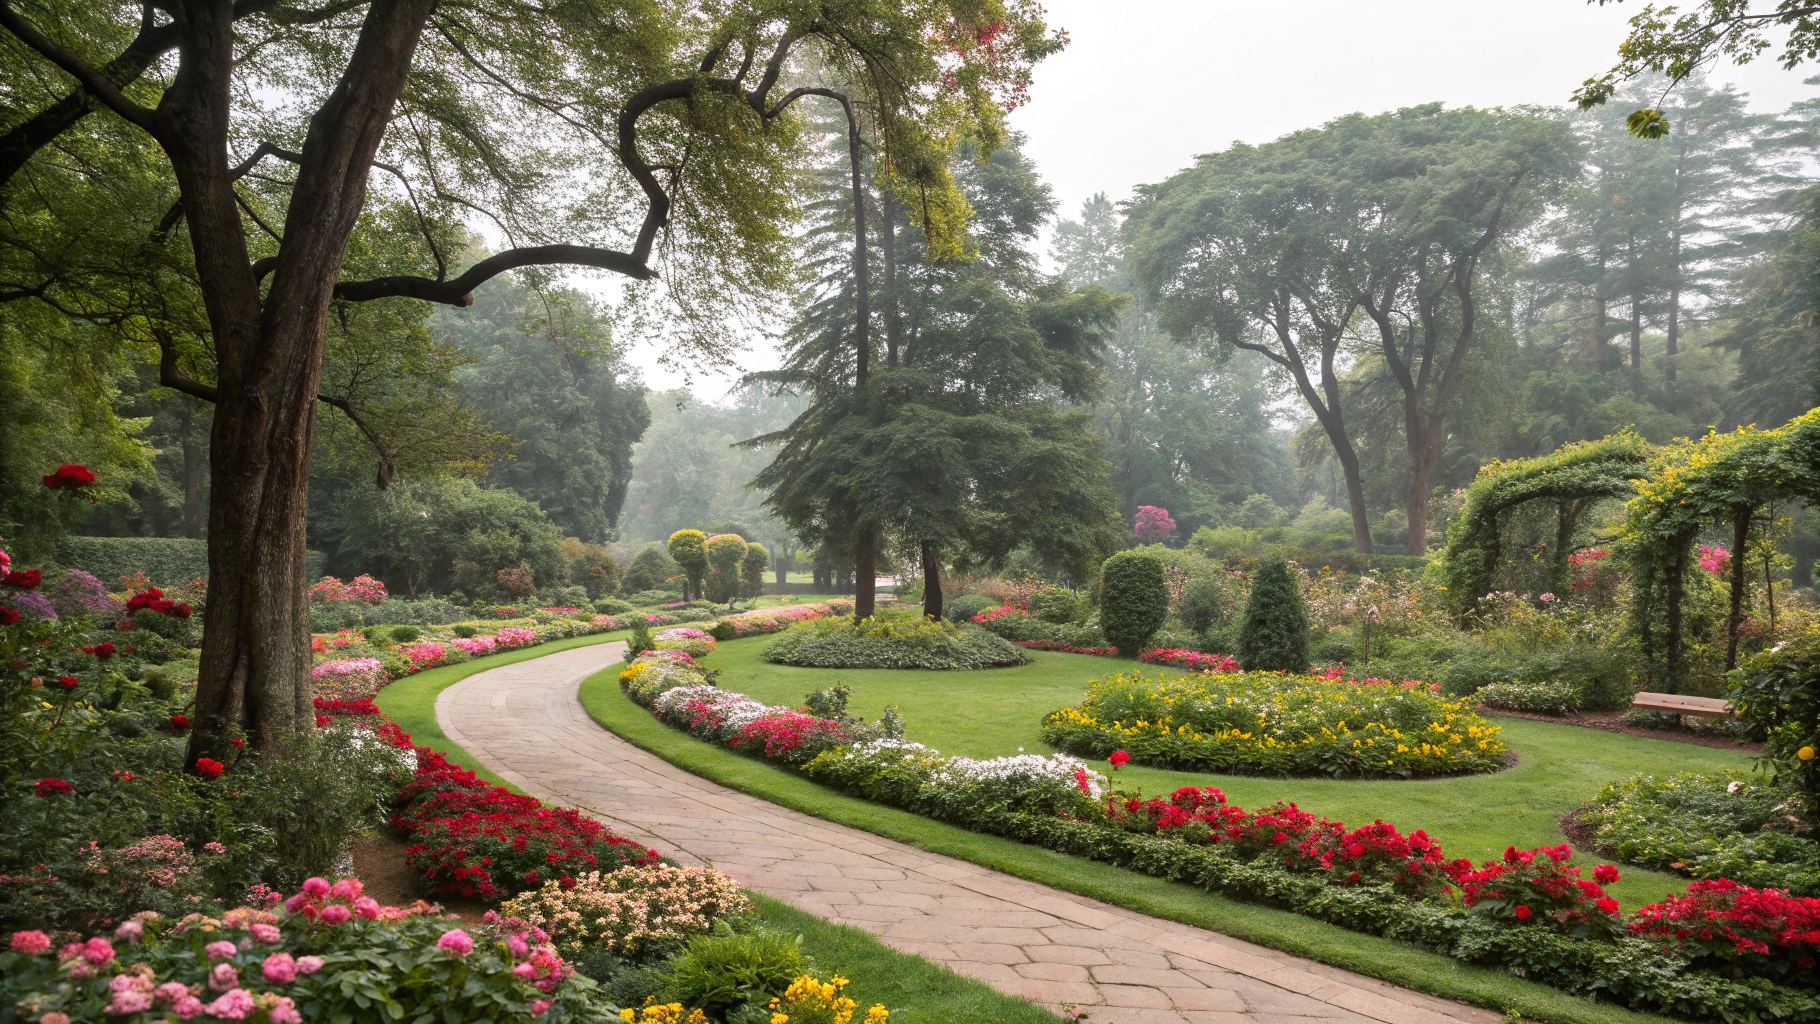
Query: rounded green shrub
[[1274, 635], [405, 634], [611, 606], [966, 607], [464, 631], [1134, 602], [1200, 607], [1057, 606], [892, 640]]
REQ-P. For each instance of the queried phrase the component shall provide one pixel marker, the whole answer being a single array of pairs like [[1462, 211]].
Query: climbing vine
[[1571, 478], [1722, 480]]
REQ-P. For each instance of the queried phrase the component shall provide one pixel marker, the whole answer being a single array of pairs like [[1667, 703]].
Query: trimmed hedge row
[[166, 561]]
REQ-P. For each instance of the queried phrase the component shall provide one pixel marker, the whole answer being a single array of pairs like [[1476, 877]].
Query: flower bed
[[329, 952], [1062, 647], [693, 642], [1268, 723], [1720, 825], [1533, 912], [634, 913], [349, 678], [1194, 661], [892, 641], [765, 621]]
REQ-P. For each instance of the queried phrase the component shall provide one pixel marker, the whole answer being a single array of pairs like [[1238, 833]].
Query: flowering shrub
[[686, 639], [81, 595], [349, 679], [1194, 661], [811, 1001], [1763, 931], [511, 637], [427, 654], [1152, 524], [360, 588], [1275, 723], [763, 621], [331, 951], [1540, 887], [789, 736], [633, 913], [1715, 559], [475, 645], [1063, 647]]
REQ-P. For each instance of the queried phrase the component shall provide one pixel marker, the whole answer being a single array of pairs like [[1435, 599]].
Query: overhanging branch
[[459, 292]]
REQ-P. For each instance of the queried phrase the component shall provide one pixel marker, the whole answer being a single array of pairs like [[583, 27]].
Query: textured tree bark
[[932, 581], [865, 572], [192, 482], [1735, 621]]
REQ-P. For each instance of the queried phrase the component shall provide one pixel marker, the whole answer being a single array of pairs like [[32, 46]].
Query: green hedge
[[166, 561]]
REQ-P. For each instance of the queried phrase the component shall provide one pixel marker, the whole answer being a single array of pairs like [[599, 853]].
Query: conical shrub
[[1134, 601], [1274, 636]]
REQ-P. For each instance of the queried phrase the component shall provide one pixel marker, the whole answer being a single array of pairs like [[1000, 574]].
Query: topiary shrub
[[689, 550], [726, 553], [1200, 607], [966, 607], [1274, 635], [405, 634], [891, 640], [611, 606], [1057, 606], [1134, 602]]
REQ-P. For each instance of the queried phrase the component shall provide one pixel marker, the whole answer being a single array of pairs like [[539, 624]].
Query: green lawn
[[998, 711]]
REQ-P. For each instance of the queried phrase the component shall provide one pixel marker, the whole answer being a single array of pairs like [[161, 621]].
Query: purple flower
[[81, 595], [29, 602]]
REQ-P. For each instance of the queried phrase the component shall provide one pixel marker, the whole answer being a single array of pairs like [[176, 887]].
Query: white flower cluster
[[730, 712], [1021, 771]]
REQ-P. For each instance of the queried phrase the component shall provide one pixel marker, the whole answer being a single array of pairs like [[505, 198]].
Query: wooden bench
[[1675, 703]]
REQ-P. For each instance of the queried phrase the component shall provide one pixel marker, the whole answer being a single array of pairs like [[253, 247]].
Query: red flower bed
[[1540, 885], [1195, 661], [780, 735], [473, 839], [1765, 931]]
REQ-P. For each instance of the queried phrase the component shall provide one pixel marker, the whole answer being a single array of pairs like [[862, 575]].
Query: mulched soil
[[1613, 721], [379, 864]]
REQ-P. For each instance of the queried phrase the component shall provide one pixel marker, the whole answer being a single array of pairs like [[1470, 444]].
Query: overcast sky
[[1145, 85]]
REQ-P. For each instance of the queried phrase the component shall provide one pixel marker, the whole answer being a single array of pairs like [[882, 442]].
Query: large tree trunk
[[865, 572], [255, 666], [192, 481], [932, 581]]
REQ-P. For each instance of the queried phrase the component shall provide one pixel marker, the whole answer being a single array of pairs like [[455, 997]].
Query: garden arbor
[[1722, 480], [1571, 478]]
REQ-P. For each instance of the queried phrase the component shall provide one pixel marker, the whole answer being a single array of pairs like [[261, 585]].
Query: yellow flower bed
[[1273, 723]]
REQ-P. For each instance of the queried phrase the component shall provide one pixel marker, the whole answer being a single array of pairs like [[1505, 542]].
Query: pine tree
[[1274, 636]]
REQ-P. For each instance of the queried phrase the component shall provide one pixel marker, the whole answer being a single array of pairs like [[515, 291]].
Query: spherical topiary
[[1134, 602], [1274, 635], [1199, 609], [966, 606], [405, 634], [726, 554]]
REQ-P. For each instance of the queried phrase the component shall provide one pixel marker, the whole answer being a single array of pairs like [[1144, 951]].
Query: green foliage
[[1545, 698], [1134, 601], [166, 561], [728, 969], [752, 570], [405, 634], [688, 548], [329, 616], [1778, 693], [640, 641], [651, 569], [966, 606], [1057, 606], [1274, 634], [1202, 605], [1734, 825], [726, 557], [1569, 476], [892, 640]]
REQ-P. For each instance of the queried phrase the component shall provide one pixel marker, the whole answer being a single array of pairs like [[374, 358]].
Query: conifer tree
[[1274, 635]]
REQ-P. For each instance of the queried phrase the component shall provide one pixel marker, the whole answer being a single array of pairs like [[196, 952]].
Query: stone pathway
[[525, 722]]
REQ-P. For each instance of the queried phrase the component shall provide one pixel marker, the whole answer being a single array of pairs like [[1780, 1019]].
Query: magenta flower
[[1152, 524], [97, 951], [315, 888], [220, 950], [223, 977], [266, 933], [335, 913], [538, 1006], [367, 908], [456, 941], [279, 969], [31, 943]]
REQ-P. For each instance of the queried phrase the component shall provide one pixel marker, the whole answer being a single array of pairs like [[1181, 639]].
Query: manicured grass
[[993, 712], [411, 701], [916, 991], [1395, 962]]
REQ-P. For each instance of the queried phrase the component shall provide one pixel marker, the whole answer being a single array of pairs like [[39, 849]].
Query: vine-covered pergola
[[1693, 485], [1571, 478]]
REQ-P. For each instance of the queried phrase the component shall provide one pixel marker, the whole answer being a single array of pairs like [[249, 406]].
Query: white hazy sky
[[1145, 85]]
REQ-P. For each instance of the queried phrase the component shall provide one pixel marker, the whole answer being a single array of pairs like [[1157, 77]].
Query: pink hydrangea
[[335, 913], [279, 969], [223, 977], [131, 993], [130, 931], [234, 1004], [315, 888], [170, 992], [187, 1006], [265, 933], [220, 950], [456, 941], [98, 951], [367, 908], [284, 1011], [539, 1006], [31, 943], [309, 964]]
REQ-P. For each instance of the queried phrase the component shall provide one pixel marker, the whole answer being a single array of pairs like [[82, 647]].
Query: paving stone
[[1029, 940]]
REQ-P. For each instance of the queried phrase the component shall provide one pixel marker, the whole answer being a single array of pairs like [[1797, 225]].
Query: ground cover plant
[[901, 640], [1734, 825], [1534, 910], [1272, 723]]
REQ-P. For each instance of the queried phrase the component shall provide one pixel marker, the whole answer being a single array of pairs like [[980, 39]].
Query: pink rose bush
[[325, 950]]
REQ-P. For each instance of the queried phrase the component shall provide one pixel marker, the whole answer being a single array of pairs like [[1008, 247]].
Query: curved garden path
[[526, 722]]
